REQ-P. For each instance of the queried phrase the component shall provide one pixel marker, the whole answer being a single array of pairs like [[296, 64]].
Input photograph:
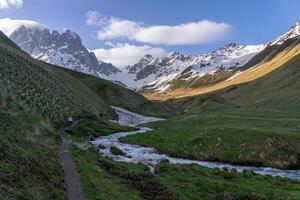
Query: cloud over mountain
[[199, 32], [126, 54], [7, 25], [6, 4]]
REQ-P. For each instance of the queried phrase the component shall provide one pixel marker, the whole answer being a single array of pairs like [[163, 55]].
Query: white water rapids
[[151, 157]]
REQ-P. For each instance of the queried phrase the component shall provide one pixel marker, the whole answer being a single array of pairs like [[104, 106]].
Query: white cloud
[[6, 4], [122, 55], [94, 18], [201, 32], [119, 28], [7, 25]]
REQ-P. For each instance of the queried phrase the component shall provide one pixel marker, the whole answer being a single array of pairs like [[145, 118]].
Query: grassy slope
[[4, 40], [197, 82], [44, 88], [278, 89], [34, 96], [269, 52], [29, 163], [116, 95], [252, 123], [179, 181]]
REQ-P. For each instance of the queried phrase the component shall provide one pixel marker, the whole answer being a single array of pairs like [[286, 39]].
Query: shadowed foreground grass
[[96, 182], [95, 128], [29, 164], [100, 176]]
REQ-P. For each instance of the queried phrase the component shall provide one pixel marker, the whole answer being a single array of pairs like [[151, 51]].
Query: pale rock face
[[65, 49]]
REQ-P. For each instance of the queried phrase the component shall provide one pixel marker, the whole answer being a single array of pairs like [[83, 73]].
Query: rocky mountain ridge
[[150, 73], [63, 49]]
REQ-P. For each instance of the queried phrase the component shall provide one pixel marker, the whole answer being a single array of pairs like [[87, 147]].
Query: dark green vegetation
[[97, 183], [175, 181], [256, 123], [125, 180], [94, 128], [234, 135], [116, 95], [29, 164], [117, 151], [7, 42], [198, 183]]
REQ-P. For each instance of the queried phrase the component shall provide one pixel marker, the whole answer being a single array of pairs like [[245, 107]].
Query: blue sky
[[249, 22]]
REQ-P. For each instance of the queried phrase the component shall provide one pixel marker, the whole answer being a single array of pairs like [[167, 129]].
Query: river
[[151, 157]]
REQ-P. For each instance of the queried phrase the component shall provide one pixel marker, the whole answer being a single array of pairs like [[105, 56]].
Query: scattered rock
[[100, 146]]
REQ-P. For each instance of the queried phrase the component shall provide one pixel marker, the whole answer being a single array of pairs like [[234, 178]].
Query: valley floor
[[193, 181], [246, 136], [238, 135]]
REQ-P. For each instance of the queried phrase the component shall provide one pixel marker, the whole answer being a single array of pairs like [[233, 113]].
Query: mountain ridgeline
[[272, 84], [63, 49], [156, 78], [271, 55]]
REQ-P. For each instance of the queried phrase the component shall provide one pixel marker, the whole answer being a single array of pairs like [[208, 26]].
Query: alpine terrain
[[150, 75], [63, 49], [163, 124]]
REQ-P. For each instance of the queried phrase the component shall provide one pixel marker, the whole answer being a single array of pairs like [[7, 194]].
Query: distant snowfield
[[151, 157], [127, 118]]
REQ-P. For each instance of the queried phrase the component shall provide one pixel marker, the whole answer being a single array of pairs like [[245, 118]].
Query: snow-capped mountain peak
[[228, 57], [64, 49], [293, 32], [73, 34], [174, 62], [175, 65], [175, 55], [185, 69]]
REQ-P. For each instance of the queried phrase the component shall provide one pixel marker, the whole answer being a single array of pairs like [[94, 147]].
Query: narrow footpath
[[74, 191], [71, 177]]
